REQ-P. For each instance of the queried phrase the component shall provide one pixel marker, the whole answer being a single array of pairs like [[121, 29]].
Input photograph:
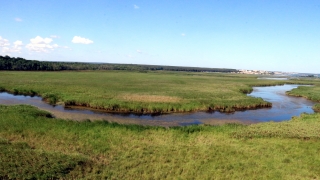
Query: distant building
[[257, 72]]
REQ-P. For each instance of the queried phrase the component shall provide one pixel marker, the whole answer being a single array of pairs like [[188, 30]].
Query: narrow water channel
[[283, 108]]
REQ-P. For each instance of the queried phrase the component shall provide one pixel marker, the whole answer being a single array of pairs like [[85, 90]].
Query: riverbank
[[36, 146], [311, 93]]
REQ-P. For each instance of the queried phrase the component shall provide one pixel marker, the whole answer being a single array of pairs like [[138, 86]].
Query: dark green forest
[[21, 64]]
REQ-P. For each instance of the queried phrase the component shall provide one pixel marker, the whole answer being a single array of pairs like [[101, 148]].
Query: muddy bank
[[144, 111]]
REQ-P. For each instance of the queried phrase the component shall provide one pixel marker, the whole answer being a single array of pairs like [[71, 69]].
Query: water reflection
[[283, 108]]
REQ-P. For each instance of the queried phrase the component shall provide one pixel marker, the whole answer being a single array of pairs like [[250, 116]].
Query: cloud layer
[[81, 40]]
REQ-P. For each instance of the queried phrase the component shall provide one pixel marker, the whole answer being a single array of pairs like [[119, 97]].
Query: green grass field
[[150, 92], [33, 145]]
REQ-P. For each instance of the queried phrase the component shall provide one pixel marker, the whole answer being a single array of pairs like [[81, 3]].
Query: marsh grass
[[304, 127], [316, 107], [152, 92], [43, 147], [33, 145], [309, 92], [20, 161]]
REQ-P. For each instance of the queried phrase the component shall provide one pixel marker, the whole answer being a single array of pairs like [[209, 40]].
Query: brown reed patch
[[148, 98]]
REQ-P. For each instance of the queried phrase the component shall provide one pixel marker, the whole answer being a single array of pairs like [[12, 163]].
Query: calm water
[[273, 78], [283, 108]]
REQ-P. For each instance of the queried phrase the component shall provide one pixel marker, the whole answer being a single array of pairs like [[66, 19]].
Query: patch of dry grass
[[149, 98]]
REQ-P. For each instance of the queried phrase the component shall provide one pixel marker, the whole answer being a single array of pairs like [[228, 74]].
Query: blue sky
[[275, 35]]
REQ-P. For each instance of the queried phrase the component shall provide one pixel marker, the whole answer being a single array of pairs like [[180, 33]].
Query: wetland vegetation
[[312, 93], [35, 145], [135, 92]]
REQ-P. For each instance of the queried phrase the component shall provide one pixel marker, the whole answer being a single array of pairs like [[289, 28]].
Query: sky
[[274, 35]]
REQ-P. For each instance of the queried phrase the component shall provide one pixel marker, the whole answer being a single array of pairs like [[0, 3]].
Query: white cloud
[[81, 40], [17, 46], [183, 34], [4, 42], [18, 19], [40, 40], [136, 7], [139, 51], [5, 49], [54, 36], [39, 44], [17, 43]]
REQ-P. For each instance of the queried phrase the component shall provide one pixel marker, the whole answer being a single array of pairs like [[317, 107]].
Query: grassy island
[[140, 92]]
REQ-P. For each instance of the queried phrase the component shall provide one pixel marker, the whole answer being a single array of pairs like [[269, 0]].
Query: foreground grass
[[43, 147], [150, 92], [20, 161]]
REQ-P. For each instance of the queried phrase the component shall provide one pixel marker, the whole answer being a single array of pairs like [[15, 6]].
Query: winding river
[[283, 108]]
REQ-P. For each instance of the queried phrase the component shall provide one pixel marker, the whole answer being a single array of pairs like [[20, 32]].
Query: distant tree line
[[21, 64]]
